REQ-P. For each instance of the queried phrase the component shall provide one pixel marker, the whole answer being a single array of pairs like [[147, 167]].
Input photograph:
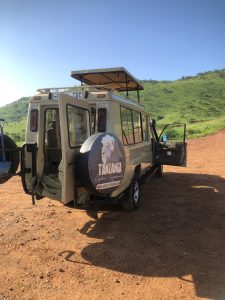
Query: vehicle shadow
[[178, 231]]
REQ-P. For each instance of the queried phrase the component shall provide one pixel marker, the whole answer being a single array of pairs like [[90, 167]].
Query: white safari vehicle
[[90, 143]]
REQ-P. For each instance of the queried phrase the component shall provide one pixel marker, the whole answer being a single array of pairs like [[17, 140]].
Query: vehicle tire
[[159, 171], [12, 156], [132, 195]]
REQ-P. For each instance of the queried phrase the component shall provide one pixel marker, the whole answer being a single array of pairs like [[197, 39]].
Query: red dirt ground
[[173, 247]]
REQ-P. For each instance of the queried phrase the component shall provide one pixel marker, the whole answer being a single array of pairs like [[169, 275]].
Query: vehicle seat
[[53, 152]]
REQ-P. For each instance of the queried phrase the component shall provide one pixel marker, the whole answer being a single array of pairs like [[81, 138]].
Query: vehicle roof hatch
[[118, 79]]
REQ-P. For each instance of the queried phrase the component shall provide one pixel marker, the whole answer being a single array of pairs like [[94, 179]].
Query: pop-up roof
[[118, 79]]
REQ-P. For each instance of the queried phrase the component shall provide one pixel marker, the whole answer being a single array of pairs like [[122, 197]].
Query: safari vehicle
[[90, 143]]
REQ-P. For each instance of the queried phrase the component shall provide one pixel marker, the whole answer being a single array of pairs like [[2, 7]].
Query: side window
[[127, 126], [145, 127], [77, 119], [137, 127]]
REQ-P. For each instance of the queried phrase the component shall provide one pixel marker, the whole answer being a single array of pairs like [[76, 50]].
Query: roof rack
[[72, 88], [57, 90]]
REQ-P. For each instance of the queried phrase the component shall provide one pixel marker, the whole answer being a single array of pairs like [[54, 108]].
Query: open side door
[[171, 149], [74, 117]]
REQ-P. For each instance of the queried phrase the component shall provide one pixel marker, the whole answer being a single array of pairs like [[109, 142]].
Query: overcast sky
[[42, 41]]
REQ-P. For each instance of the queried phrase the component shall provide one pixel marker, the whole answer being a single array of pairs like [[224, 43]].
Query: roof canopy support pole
[[138, 95], [127, 84]]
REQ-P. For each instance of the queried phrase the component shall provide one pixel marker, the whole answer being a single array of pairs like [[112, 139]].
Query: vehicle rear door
[[171, 149], [75, 129]]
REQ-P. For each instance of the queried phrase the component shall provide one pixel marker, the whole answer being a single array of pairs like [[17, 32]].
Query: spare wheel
[[101, 163]]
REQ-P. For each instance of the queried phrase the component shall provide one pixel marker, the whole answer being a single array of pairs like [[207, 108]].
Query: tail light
[[34, 120], [101, 119]]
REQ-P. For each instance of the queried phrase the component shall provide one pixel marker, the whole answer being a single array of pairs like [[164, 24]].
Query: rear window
[[77, 119]]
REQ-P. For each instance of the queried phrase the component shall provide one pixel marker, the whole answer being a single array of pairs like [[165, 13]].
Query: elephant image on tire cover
[[102, 163], [110, 150]]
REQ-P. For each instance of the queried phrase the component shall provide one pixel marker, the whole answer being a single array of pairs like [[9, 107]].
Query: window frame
[[132, 117], [124, 107], [67, 120]]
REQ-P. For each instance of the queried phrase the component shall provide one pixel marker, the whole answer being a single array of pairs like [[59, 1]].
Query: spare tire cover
[[101, 163]]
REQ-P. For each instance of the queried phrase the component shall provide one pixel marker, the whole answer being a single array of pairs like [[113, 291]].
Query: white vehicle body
[[61, 120]]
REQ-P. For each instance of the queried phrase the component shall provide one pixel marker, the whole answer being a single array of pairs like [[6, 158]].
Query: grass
[[206, 128], [14, 111], [198, 101], [16, 130]]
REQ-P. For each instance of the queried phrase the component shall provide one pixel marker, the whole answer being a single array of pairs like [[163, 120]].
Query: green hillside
[[198, 101], [15, 115], [16, 130], [15, 111]]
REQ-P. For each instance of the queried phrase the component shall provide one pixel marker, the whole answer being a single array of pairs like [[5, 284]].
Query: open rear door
[[75, 129], [171, 149]]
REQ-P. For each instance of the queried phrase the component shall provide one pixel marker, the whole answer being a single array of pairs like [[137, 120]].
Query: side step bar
[[149, 174]]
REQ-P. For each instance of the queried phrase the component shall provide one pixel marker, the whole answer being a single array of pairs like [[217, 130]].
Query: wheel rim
[[136, 192]]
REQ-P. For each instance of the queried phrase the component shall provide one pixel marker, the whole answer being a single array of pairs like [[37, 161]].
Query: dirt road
[[173, 247]]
